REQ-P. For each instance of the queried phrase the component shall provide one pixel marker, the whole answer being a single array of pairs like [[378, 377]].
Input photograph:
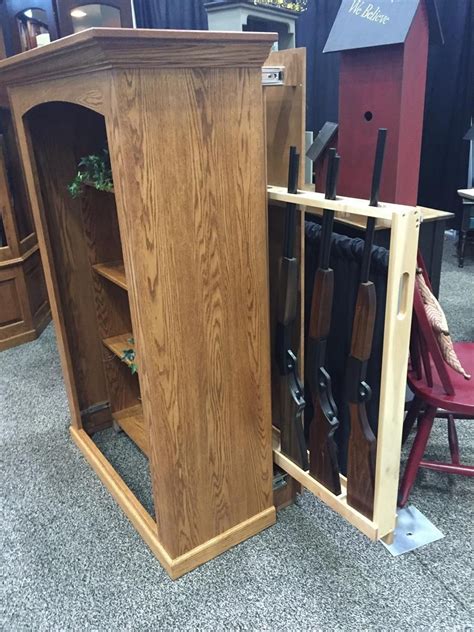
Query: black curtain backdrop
[[345, 260], [322, 89], [171, 14], [449, 105]]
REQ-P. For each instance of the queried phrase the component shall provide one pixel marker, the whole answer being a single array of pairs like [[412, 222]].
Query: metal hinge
[[86, 413], [273, 75], [279, 479]]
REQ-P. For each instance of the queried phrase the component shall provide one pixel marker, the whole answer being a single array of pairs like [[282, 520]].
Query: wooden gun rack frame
[[404, 222]]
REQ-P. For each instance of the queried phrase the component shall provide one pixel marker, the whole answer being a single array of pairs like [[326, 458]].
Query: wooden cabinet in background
[[24, 307], [22, 20]]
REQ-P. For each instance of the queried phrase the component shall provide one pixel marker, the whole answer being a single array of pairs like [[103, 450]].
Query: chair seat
[[463, 399]]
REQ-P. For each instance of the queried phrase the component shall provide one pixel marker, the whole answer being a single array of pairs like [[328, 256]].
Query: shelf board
[[132, 422], [118, 344], [113, 271], [91, 185]]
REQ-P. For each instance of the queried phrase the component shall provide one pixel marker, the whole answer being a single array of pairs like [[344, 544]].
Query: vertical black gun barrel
[[378, 164], [374, 201], [290, 221], [328, 216]]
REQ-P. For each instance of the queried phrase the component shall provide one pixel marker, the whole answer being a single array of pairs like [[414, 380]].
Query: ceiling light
[[78, 13], [28, 13]]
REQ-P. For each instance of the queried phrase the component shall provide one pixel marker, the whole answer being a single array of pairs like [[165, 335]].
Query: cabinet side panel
[[188, 158]]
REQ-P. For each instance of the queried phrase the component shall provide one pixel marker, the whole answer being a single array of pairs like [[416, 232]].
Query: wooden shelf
[[92, 186], [132, 422], [118, 344], [114, 271]]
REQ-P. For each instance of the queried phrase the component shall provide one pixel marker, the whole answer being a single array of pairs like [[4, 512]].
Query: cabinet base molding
[[146, 526], [25, 336], [24, 307]]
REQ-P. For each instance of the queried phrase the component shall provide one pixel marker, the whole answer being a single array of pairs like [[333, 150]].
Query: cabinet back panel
[[61, 134]]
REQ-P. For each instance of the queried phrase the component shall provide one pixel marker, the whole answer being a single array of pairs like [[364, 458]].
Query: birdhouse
[[384, 54], [257, 15]]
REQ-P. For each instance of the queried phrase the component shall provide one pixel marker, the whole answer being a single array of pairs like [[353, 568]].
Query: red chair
[[439, 391]]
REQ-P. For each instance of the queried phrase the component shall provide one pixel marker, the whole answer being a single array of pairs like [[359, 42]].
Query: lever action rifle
[[322, 447], [362, 442], [291, 392]]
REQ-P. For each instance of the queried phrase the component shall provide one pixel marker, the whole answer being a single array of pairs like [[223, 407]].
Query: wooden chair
[[439, 391]]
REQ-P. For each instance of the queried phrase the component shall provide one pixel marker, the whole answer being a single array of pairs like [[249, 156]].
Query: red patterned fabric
[[438, 322]]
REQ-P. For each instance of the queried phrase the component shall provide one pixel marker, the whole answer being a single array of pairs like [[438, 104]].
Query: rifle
[[291, 391], [362, 442], [322, 447]]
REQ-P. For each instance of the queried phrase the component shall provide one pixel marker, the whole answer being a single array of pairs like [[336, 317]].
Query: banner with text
[[363, 24]]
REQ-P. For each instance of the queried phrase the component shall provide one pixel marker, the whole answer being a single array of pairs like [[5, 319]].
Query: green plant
[[94, 170], [128, 356], [292, 5]]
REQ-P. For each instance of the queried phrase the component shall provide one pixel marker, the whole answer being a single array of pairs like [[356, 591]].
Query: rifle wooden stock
[[286, 315], [361, 462], [323, 463], [362, 442], [364, 321], [321, 304]]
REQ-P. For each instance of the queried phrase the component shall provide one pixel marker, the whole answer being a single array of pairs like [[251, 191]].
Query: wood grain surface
[[286, 115], [118, 344], [188, 158], [146, 526], [113, 271], [361, 462], [112, 308], [98, 49], [132, 422], [198, 290]]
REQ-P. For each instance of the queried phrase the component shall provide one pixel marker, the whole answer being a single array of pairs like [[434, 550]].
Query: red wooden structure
[[381, 84]]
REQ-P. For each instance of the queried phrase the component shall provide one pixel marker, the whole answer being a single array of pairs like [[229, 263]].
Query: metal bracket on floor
[[413, 530]]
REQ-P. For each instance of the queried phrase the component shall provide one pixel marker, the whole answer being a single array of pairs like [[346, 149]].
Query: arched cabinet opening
[[69, 151]]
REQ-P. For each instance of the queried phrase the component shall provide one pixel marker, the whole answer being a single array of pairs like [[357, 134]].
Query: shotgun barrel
[[322, 446], [362, 441], [291, 392]]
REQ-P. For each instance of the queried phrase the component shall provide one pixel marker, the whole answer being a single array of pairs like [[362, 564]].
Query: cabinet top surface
[[105, 48]]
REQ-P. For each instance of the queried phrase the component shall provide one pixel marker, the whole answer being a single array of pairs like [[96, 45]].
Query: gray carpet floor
[[72, 561]]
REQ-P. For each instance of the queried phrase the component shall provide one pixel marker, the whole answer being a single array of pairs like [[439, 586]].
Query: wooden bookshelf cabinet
[[174, 262]]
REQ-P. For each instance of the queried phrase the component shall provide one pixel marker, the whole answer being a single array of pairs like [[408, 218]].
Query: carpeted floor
[[72, 561]]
